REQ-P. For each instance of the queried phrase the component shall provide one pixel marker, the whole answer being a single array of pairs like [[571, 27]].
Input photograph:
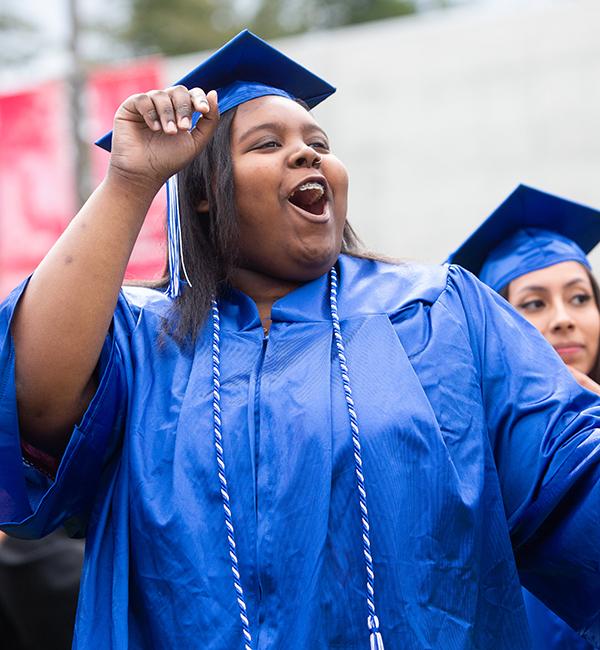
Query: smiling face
[[559, 301], [290, 191]]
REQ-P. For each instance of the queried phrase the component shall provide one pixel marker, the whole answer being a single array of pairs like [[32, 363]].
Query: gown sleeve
[[543, 429], [33, 502]]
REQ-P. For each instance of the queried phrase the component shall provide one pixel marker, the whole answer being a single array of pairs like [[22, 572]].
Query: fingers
[[209, 108], [144, 106], [584, 380], [171, 110], [182, 106], [213, 104], [199, 100], [579, 376]]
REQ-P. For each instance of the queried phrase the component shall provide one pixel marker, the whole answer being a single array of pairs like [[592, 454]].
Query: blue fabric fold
[[548, 631]]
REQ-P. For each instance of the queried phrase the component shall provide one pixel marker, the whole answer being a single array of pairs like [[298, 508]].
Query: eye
[[581, 299], [319, 144], [268, 144], [535, 304]]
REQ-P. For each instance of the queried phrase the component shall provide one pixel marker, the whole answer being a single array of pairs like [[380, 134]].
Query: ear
[[202, 206]]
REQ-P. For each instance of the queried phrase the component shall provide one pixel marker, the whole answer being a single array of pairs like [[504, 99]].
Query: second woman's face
[[291, 191], [560, 303]]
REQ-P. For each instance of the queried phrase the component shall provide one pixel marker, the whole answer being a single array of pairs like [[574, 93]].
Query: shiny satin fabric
[[526, 251], [481, 459], [529, 230], [548, 631]]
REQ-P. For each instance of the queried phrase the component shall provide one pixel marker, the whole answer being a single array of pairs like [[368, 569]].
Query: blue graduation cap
[[530, 230], [243, 69], [246, 68]]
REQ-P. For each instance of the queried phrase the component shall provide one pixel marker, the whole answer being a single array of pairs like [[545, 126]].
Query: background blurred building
[[441, 114]]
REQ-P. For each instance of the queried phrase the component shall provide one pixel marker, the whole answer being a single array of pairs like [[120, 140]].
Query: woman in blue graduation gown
[[335, 452], [533, 247]]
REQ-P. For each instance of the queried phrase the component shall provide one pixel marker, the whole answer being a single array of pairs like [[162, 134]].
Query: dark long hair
[[210, 239], [594, 373]]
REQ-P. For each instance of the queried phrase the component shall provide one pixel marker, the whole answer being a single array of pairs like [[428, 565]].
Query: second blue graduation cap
[[243, 69], [530, 230]]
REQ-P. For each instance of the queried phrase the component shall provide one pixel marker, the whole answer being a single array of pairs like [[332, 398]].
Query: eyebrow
[[540, 289], [277, 126]]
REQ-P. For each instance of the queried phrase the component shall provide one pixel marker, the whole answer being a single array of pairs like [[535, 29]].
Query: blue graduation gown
[[478, 448], [548, 631]]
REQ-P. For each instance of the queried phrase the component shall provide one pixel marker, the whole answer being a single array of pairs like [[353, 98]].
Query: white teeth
[[311, 186]]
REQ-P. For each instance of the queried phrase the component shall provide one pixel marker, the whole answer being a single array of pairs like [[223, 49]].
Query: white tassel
[[375, 638], [174, 240]]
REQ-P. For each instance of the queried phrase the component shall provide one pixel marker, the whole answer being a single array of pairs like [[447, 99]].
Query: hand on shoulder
[[584, 380]]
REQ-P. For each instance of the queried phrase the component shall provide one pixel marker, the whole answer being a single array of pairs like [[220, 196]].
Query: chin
[[300, 262], [585, 368], [314, 261]]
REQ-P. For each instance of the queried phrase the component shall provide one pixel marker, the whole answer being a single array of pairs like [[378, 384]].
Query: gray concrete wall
[[438, 117]]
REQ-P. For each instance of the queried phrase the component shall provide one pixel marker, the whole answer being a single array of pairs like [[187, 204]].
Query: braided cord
[[376, 640], [216, 365]]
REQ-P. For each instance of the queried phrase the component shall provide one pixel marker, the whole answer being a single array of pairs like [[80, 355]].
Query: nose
[[561, 319], [305, 156]]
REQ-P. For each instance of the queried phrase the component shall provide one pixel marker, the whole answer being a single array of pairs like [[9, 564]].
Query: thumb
[[585, 381], [580, 376], [207, 122]]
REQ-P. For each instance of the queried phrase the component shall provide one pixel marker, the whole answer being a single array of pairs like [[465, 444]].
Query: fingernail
[[203, 102], [185, 123], [171, 127], [156, 125]]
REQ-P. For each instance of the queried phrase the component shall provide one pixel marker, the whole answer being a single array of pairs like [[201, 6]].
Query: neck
[[264, 290]]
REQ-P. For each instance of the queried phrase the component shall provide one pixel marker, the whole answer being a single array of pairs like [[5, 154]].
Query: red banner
[[107, 88], [37, 194], [37, 188]]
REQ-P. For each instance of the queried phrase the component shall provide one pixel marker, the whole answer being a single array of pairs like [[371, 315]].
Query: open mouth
[[310, 196]]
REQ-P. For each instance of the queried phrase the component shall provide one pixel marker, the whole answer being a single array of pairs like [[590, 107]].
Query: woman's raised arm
[[65, 312]]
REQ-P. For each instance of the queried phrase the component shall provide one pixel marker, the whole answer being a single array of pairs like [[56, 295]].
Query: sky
[[51, 19]]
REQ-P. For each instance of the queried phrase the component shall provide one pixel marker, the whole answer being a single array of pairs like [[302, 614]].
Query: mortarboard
[[530, 230], [243, 69]]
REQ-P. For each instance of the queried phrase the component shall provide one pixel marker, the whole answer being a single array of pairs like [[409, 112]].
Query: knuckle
[[141, 101], [184, 108]]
